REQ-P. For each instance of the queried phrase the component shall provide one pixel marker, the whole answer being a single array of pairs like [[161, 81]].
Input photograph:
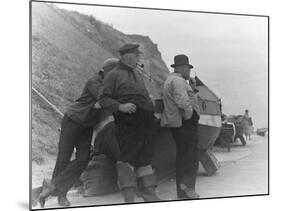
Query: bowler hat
[[129, 48], [181, 60]]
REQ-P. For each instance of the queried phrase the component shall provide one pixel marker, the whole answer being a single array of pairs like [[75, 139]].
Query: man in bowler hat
[[124, 93], [181, 114], [76, 132]]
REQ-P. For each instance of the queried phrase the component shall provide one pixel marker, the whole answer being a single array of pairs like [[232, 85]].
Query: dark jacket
[[124, 85], [82, 110]]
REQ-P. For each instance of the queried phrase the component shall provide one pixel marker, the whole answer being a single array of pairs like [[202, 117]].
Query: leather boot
[[47, 189]]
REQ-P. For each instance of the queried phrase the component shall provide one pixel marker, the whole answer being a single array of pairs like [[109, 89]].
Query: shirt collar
[[177, 74]]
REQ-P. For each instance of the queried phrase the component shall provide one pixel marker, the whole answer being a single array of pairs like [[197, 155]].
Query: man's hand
[[157, 115], [97, 105], [127, 108], [192, 83]]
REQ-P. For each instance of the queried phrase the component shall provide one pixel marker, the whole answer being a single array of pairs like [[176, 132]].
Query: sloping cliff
[[67, 48]]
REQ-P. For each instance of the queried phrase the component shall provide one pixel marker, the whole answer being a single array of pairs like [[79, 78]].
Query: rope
[[48, 102], [157, 83]]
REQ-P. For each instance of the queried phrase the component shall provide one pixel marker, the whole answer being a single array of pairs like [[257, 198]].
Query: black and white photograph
[[137, 105]]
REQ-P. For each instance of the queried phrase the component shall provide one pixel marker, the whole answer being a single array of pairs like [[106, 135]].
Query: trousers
[[187, 153], [134, 133], [67, 171]]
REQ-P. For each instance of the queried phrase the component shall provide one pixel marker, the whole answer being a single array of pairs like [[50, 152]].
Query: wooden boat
[[210, 118]]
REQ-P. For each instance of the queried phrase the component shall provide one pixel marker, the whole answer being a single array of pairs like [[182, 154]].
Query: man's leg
[[66, 144], [187, 159], [190, 179], [129, 144], [181, 157], [68, 137], [126, 181], [146, 178], [147, 183], [66, 179], [242, 139]]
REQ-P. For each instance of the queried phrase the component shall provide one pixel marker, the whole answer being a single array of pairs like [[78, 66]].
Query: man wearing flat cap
[[76, 132], [181, 114], [124, 93]]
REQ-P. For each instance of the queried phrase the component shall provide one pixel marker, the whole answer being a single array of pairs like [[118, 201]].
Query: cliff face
[[67, 48]]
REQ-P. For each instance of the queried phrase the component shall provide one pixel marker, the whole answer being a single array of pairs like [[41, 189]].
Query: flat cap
[[129, 48], [109, 64]]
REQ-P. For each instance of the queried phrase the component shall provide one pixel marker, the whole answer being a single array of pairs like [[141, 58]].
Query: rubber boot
[[147, 184], [126, 181], [128, 194], [148, 194]]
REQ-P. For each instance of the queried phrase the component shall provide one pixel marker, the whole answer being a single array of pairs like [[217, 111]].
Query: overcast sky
[[229, 52]]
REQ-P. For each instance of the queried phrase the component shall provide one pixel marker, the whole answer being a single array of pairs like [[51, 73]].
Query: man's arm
[[106, 93], [181, 97], [93, 86], [106, 100]]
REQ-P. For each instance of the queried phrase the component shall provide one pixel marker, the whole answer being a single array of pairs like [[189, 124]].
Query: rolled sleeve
[[106, 93], [181, 97]]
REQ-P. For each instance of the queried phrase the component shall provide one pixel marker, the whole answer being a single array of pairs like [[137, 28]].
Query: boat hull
[[165, 149]]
